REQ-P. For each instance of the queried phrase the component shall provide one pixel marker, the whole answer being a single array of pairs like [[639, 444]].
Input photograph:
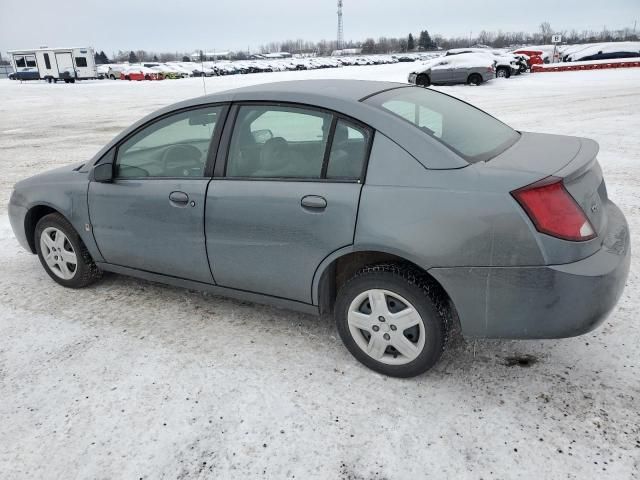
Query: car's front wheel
[[63, 254], [391, 318], [423, 80]]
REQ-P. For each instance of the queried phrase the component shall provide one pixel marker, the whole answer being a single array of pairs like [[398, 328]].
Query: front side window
[[81, 61], [278, 142], [176, 146], [473, 134], [20, 61]]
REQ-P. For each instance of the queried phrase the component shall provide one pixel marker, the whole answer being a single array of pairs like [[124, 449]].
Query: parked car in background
[[470, 68], [26, 73], [114, 71], [138, 73], [601, 51], [506, 64], [536, 57]]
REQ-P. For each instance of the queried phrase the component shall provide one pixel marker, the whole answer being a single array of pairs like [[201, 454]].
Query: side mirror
[[103, 173]]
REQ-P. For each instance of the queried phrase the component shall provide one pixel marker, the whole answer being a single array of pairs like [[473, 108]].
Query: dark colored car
[[407, 213], [27, 73]]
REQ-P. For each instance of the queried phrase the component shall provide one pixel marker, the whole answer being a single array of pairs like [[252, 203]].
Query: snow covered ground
[[130, 379]]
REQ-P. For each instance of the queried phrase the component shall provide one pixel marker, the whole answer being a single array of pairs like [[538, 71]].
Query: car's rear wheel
[[63, 254], [423, 80], [503, 73], [390, 317], [474, 79]]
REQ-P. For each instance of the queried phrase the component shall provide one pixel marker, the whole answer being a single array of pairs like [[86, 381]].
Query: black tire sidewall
[[426, 80], [435, 334], [82, 267]]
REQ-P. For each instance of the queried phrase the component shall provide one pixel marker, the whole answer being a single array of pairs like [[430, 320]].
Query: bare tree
[[546, 32]]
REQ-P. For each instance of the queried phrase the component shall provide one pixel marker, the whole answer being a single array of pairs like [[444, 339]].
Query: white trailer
[[53, 64]]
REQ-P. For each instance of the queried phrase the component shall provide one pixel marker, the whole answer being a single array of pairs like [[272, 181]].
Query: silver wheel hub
[[58, 253], [386, 327]]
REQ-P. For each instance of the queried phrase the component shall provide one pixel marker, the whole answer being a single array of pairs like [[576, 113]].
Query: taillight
[[554, 211]]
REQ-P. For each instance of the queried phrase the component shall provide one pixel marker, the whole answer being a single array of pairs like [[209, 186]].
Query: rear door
[[287, 198], [65, 64], [151, 217]]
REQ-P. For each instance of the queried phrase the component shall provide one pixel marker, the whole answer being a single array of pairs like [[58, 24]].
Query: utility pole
[[340, 42]]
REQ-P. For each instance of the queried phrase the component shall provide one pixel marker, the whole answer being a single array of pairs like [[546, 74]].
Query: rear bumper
[[555, 301]]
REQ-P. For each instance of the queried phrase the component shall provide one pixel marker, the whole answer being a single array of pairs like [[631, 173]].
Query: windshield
[[473, 134]]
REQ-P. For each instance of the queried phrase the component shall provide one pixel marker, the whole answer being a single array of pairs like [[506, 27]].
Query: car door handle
[[314, 202], [179, 198]]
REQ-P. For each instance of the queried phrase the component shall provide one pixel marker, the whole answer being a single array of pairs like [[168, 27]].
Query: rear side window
[[278, 142], [473, 134], [31, 60], [20, 61], [348, 151], [81, 61]]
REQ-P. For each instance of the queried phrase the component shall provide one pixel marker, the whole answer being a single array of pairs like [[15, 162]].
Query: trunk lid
[[571, 158]]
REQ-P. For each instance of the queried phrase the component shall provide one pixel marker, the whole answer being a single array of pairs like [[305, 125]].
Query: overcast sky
[[187, 25]]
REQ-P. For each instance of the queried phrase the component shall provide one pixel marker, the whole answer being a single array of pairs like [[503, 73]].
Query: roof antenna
[[204, 85]]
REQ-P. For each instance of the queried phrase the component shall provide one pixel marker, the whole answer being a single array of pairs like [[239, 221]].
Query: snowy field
[[130, 379]]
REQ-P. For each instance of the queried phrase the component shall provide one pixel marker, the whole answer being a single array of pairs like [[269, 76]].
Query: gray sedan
[[471, 68], [408, 214]]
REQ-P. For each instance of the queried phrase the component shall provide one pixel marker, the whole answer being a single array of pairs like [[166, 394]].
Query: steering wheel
[[180, 160]]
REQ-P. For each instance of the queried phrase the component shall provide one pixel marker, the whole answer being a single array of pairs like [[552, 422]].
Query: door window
[[20, 61], [81, 62], [278, 142], [176, 146], [348, 151]]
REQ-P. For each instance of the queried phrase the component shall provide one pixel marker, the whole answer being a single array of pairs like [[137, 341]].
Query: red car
[[535, 56], [141, 73]]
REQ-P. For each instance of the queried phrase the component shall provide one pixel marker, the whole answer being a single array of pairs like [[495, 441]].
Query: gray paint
[[260, 238], [419, 201]]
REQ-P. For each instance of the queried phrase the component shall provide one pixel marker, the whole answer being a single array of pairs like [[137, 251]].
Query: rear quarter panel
[[441, 218]]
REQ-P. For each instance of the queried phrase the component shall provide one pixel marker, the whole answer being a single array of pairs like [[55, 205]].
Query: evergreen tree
[[97, 59], [155, 58], [425, 41], [186, 59], [411, 43], [132, 57]]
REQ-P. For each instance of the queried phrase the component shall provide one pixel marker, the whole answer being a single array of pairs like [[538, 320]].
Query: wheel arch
[[342, 264], [31, 219]]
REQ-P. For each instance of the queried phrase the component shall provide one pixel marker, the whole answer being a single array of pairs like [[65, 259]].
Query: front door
[[151, 217], [288, 198], [442, 72]]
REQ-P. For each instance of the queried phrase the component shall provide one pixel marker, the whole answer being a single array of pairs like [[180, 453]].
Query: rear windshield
[[473, 134]]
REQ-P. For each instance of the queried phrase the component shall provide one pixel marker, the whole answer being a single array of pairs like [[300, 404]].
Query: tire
[[474, 79], [112, 77], [503, 73], [404, 289], [423, 80], [68, 246]]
